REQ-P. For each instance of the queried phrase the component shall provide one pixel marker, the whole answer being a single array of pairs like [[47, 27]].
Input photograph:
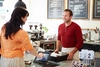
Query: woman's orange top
[[15, 47]]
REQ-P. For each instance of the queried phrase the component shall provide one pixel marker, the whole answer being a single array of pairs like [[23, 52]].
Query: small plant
[[45, 29]]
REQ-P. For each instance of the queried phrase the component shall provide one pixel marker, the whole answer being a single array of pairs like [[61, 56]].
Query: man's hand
[[56, 51], [70, 56]]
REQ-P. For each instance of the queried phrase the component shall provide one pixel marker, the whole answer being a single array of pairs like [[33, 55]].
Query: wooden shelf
[[88, 28]]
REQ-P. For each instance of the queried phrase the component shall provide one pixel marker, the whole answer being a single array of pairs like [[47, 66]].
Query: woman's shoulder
[[22, 32]]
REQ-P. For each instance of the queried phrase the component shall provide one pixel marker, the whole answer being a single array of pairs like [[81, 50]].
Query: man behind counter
[[69, 36]]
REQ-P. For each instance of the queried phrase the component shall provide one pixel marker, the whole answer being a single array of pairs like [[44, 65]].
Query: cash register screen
[[44, 59]]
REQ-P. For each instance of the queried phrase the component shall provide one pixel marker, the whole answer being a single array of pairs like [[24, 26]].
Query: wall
[[9, 5], [38, 14]]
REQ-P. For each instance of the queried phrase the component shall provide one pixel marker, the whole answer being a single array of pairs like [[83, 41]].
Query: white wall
[[9, 5], [38, 14]]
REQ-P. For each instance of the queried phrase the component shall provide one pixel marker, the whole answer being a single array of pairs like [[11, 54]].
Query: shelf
[[88, 28], [48, 44]]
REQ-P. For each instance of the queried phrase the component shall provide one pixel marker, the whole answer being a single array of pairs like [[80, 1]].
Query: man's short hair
[[68, 10]]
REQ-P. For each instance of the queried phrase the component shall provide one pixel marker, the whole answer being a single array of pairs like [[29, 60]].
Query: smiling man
[[69, 35]]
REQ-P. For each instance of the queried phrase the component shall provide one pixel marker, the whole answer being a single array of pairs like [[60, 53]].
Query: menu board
[[79, 8], [96, 10], [55, 9]]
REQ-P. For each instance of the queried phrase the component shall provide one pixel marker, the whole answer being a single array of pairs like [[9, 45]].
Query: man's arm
[[58, 45], [71, 54], [79, 40], [79, 44], [58, 42], [74, 50], [79, 37]]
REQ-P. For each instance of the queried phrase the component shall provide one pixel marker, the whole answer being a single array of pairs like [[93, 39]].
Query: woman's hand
[[41, 55]]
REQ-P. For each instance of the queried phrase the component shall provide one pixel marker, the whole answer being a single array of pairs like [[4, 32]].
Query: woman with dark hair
[[14, 40]]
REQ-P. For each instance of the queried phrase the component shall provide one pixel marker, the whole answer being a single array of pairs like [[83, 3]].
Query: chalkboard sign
[[79, 8], [96, 9], [55, 9]]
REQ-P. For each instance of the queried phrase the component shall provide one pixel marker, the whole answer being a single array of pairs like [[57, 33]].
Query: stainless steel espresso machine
[[36, 34]]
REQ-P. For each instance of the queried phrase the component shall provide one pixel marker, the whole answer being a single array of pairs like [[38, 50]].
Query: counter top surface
[[92, 43], [28, 57], [46, 41], [61, 64], [66, 63], [87, 42]]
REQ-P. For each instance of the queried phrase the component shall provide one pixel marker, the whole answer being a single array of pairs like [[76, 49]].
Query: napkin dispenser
[[57, 57]]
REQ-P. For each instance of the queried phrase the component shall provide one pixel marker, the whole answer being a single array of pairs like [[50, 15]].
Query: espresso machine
[[41, 33], [37, 34]]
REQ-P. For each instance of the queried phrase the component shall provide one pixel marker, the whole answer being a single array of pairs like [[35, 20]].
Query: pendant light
[[20, 3]]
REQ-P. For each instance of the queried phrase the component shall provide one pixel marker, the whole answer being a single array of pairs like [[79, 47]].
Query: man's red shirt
[[70, 36]]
